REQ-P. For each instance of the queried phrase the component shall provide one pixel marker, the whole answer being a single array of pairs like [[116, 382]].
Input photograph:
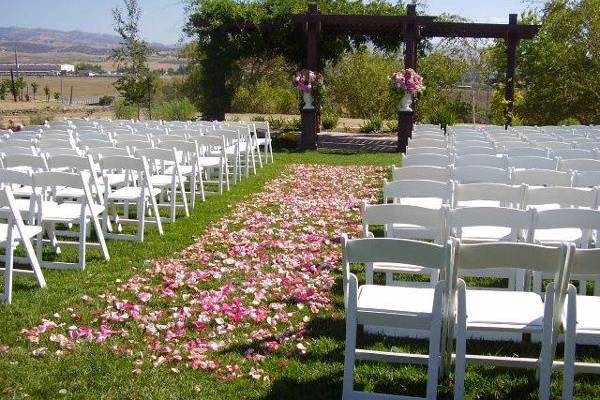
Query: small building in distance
[[37, 69]]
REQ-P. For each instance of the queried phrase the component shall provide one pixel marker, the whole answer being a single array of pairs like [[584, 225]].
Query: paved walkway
[[375, 142]]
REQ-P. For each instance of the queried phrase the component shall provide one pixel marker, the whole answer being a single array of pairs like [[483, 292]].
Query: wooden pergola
[[410, 28]]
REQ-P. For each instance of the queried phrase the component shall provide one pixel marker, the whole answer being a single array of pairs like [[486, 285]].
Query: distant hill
[[36, 41]]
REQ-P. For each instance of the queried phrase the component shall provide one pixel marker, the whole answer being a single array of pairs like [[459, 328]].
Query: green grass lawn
[[93, 372]]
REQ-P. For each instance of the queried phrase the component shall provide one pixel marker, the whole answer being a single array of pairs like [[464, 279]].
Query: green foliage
[[329, 120], [85, 66], [285, 125], [359, 86], [34, 88], [265, 97], [106, 100], [47, 93], [569, 121], [373, 124], [4, 87], [56, 96], [138, 84], [224, 36], [392, 125], [442, 115], [40, 118], [176, 110], [123, 110]]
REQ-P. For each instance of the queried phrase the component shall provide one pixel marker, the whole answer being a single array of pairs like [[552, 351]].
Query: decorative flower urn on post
[[409, 83], [308, 100], [306, 81], [405, 103]]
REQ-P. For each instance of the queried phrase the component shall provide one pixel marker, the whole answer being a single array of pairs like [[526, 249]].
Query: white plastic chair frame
[[398, 313], [426, 172]]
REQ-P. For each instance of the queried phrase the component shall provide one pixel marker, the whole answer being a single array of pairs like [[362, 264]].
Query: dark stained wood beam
[[512, 42]]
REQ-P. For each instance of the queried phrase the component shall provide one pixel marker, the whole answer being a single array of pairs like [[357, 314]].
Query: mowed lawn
[[312, 370]]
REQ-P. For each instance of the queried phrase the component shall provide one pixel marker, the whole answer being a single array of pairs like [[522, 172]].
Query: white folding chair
[[430, 173], [551, 197], [488, 195], [474, 150], [214, 161], [552, 227], [478, 174], [553, 146], [532, 162], [570, 154], [393, 306], [52, 211], [437, 160], [190, 165], [523, 151], [264, 140], [578, 164], [137, 190], [540, 177], [428, 142], [579, 321], [514, 312], [427, 150], [418, 192], [13, 233], [166, 175], [486, 160], [586, 178], [404, 222]]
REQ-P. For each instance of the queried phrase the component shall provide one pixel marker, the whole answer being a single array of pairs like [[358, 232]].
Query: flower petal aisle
[[246, 288]]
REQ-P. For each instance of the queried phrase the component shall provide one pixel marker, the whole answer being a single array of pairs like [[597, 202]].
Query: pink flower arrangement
[[408, 81], [306, 80]]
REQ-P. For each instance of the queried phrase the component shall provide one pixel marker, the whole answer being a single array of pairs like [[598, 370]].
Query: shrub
[[40, 118], [259, 118], [329, 120], [176, 110], [392, 125], [569, 121], [122, 110], [265, 97], [443, 115], [106, 100], [283, 125], [373, 124]]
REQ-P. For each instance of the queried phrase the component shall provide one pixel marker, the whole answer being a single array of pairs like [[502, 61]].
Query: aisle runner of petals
[[248, 287]]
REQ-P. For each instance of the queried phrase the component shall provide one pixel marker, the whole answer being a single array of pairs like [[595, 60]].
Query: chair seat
[[405, 301], [558, 235], [485, 233], [30, 232], [22, 191], [162, 180], [129, 193], [209, 161], [70, 193], [116, 179], [588, 317], [262, 141], [65, 212], [497, 307], [434, 203]]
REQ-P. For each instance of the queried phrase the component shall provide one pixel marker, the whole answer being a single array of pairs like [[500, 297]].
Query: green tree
[[558, 73], [34, 88], [4, 85], [20, 84], [138, 83], [47, 93], [56, 96]]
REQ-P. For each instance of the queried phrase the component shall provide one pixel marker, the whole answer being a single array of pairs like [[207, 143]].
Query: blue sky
[[162, 20]]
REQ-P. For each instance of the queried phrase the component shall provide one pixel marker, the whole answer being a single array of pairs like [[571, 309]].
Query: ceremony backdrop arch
[[410, 28]]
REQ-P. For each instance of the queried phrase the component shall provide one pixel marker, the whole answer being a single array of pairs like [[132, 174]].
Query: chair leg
[[141, 216], [350, 350], [8, 271], [546, 357], [569, 351], [82, 242], [461, 350], [183, 196], [156, 214], [433, 368]]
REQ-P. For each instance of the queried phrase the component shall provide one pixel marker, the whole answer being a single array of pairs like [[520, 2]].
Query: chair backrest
[[461, 144], [75, 163], [525, 151], [428, 142], [586, 178], [511, 255], [55, 144], [134, 145], [554, 146], [389, 214], [89, 143], [11, 177], [99, 152], [580, 218], [480, 174], [535, 162], [579, 164], [584, 262], [415, 188], [8, 149], [570, 154], [540, 177], [180, 145], [438, 160], [561, 197], [35, 163], [431, 173], [480, 159], [53, 179], [465, 151], [427, 150], [411, 252], [507, 195], [513, 218]]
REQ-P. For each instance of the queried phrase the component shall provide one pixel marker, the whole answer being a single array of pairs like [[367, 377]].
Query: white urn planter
[[308, 101], [405, 102]]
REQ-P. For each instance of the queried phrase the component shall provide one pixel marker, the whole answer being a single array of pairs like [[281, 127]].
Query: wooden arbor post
[[406, 119], [308, 138], [512, 41]]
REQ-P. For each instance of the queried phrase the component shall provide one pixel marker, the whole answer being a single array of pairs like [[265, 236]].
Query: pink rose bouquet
[[408, 81], [306, 80]]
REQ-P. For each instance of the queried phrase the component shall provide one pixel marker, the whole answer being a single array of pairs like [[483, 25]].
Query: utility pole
[[13, 87], [16, 62]]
